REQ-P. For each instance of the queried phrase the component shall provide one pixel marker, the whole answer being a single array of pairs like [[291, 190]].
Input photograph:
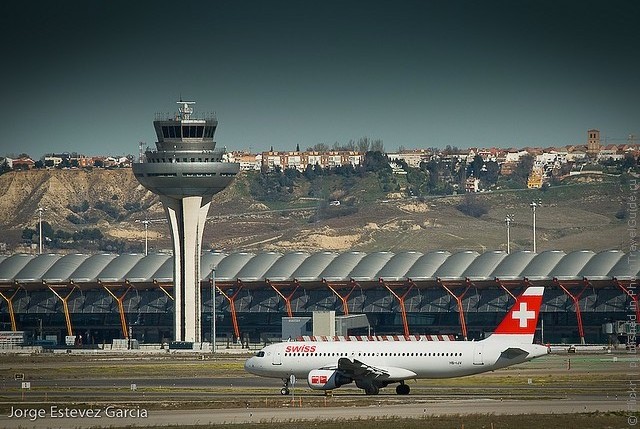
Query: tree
[[475, 167], [309, 173], [472, 206], [47, 229], [363, 144], [628, 162], [376, 161], [28, 233], [489, 174], [4, 167], [320, 147], [418, 180], [377, 146], [523, 169]]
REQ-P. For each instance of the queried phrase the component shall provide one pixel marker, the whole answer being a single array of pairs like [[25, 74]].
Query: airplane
[[372, 365]]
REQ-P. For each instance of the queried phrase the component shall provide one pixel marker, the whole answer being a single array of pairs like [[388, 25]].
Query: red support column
[[403, 310], [631, 294], [287, 299], [119, 301], [65, 306], [463, 323], [232, 307], [576, 299], [345, 298], [504, 288], [162, 288], [12, 315]]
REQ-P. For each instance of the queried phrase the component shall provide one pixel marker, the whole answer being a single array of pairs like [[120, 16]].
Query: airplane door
[[277, 356], [477, 354]]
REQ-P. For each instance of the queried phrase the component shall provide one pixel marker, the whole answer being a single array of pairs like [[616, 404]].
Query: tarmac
[[139, 417]]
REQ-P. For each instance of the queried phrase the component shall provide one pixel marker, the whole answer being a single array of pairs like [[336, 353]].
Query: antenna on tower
[[141, 146], [185, 110]]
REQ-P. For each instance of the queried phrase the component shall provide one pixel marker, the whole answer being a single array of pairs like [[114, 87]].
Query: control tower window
[[165, 131], [208, 133], [188, 131], [199, 131]]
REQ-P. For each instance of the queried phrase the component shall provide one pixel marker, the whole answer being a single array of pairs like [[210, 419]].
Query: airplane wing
[[360, 370]]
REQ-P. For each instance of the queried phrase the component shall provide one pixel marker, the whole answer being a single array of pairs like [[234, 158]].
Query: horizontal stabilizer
[[513, 352]]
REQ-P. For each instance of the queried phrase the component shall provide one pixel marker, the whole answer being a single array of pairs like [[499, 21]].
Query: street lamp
[[508, 219], [146, 223], [40, 210], [146, 236], [212, 279], [533, 206]]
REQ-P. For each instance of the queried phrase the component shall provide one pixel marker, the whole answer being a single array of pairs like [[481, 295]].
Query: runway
[[255, 415]]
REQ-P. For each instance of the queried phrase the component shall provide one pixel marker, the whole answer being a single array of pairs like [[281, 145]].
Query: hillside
[[572, 216]]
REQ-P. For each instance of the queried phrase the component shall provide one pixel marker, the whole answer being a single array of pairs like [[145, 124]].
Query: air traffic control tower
[[185, 171]]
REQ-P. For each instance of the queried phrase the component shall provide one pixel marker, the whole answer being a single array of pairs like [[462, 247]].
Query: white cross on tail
[[523, 315]]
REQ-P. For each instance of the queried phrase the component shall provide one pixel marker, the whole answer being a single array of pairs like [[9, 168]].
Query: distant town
[[473, 169]]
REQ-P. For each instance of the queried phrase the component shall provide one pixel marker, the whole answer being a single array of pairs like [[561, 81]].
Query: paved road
[[416, 410]]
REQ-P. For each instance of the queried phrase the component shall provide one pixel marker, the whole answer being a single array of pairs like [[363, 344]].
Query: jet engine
[[327, 379]]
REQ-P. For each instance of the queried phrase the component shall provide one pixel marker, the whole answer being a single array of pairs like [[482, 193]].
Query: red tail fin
[[522, 319]]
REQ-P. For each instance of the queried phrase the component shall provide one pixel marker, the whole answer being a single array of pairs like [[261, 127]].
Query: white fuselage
[[425, 359]]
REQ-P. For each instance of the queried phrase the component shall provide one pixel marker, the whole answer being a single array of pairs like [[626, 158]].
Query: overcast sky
[[89, 76]]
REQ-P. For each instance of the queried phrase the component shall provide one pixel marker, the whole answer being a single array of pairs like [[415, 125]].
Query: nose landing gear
[[285, 389]]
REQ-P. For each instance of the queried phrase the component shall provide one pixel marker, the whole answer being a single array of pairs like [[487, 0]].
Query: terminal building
[[103, 297]]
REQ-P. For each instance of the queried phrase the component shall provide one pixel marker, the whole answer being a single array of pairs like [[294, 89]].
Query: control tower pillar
[[186, 219]]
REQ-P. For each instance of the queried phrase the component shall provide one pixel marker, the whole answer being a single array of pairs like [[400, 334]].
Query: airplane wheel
[[284, 391], [403, 389], [372, 390]]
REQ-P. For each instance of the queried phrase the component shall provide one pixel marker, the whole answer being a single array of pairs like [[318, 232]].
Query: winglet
[[522, 319]]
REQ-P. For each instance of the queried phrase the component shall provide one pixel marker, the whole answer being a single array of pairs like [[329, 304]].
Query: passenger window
[[260, 354]]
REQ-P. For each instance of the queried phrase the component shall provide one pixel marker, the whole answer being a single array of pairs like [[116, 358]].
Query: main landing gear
[[285, 389], [402, 389], [371, 390]]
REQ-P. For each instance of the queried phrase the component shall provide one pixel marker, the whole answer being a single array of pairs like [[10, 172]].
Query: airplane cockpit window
[[260, 354]]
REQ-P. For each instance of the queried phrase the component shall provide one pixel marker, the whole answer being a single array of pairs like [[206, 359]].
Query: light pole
[[146, 236], [508, 219], [146, 223], [212, 278], [533, 206], [40, 210]]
